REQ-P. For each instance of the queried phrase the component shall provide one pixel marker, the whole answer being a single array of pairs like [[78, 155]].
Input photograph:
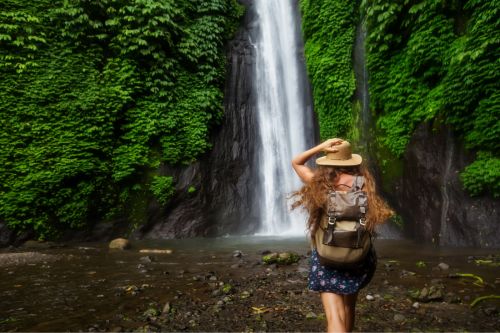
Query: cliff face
[[431, 199], [222, 179]]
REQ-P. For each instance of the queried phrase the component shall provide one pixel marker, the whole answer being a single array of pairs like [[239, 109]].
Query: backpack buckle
[[332, 220], [362, 221]]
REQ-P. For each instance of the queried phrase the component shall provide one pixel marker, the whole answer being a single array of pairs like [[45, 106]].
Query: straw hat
[[342, 156]]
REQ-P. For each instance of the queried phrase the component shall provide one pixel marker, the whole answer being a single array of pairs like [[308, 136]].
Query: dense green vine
[[328, 27], [432, 60], [95, 95]]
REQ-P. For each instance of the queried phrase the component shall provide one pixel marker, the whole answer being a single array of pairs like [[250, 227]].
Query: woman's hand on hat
[[329, 144]]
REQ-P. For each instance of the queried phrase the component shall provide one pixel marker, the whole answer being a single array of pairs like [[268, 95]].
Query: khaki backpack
[[341, 239]]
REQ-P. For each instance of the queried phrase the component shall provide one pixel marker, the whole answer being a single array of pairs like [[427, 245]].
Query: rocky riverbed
[[223, 285]]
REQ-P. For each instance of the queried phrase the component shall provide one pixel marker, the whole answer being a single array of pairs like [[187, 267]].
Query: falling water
[[445, 195], [362, 94], [284, 120]]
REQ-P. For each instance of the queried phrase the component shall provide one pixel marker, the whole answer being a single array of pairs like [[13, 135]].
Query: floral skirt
[[340, 281]]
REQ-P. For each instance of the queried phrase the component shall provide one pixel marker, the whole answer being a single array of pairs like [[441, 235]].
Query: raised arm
[[299, 161]]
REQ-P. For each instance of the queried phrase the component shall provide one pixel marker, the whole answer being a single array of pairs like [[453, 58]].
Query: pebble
[[369, 298], [311, 315], [146, 259], [237, 254], [245, 294], [166, 308], [490, 311], [416, 305], [443, 266], [399, 318]]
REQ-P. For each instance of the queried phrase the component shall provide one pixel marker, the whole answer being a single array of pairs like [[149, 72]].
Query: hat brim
[[354, 160]]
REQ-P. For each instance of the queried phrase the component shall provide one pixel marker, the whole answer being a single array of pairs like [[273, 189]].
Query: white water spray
[[284, 124]]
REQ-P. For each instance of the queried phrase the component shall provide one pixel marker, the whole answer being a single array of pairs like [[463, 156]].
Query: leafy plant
[[96, 95]]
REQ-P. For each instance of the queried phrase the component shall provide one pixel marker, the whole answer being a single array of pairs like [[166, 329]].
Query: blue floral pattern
[[344, 282]]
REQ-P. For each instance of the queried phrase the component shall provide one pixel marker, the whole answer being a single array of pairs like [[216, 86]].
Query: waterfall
[[362, 94], [284, 118], [445, 195]]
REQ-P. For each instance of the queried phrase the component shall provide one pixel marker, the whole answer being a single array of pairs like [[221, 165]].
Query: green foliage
[[432, 60], [163, 188], [97, 94], [328, 28], [483, 174]]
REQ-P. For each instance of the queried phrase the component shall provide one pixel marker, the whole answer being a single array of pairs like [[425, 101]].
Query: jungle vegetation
[[428, 61], [96, 96]]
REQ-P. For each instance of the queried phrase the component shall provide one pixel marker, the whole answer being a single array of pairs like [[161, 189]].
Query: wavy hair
[[313, 196]]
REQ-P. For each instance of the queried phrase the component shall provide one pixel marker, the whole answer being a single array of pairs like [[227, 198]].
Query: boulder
[[283, 258], [120, 244]]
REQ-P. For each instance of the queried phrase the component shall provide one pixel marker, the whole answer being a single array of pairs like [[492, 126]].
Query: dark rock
[[490, 311], [430, 196], [35, 244], [223, 177]]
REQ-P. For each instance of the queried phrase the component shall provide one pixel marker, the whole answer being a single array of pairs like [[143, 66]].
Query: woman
[[336, 171]]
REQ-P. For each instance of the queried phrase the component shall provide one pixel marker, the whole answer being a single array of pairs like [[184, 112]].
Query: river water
[[77, 286]]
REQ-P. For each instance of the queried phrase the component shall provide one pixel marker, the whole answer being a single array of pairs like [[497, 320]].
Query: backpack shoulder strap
[[359, 181]]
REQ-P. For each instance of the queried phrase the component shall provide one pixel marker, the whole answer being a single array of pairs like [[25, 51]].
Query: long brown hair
[[312, 196]]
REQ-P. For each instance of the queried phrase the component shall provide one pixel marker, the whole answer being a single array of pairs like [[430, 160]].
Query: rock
[[120, 244], [234, 266], [433, 293], [245, 294], [35, 244], [490, 311], [399, 318], [405, 273], [443, 266], [116, 329], [415, 305], [151, 312], [369, 297], [283, 258], [237, 254], [227, 288], [166, 308], [146, 259], [270, 258], [311, 315], [160, 251], [265, 252], [418, 194]]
